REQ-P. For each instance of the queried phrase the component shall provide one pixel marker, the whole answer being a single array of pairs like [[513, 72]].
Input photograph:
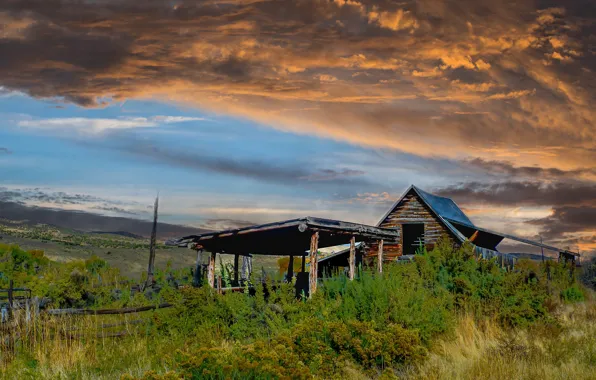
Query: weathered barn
[[421, 218], [418, 219]]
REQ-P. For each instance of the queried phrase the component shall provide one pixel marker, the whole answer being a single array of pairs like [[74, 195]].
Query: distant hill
[[119, 233], [94, 223]]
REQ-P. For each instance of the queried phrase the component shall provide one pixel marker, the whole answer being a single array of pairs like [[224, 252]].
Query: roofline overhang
[[516, 238]]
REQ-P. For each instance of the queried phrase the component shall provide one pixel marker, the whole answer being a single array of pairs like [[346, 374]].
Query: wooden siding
[[410, 210]]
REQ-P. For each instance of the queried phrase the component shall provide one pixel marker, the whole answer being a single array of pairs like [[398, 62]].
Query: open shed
[[290, 238]]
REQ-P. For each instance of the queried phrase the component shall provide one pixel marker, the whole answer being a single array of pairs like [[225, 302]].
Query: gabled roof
[[443, 208]]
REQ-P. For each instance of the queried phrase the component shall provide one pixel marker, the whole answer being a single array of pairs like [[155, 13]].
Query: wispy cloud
[[101, 125], [5, 150]]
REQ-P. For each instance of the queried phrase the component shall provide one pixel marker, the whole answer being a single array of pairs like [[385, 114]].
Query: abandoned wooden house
[[417, 220]]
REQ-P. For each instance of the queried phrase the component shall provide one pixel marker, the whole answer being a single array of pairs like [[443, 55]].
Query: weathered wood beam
[[196, 278], [312, 278], [380, 257], [236, 259], [352, 260], [290, 268], [211, 270]]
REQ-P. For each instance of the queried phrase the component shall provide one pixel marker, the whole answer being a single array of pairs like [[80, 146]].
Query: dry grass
[[65, 347], [481, 350]]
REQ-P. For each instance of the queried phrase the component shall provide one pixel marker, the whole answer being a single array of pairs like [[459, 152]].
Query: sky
[[250, 111]]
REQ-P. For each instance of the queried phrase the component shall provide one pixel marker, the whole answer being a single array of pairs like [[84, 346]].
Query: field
[[128, 254], [445, 315]]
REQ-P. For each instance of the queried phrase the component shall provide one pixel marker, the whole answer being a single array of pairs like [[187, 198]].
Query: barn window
[[413, 235]]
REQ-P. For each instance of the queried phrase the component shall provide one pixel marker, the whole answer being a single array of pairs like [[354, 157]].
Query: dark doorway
[[413, 234]]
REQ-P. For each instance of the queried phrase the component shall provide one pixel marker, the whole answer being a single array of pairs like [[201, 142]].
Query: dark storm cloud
[[522, 193], [429, 77], [568, 219], [506, 168], [573, 218]]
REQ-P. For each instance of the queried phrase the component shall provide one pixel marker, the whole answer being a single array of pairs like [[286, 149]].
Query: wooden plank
[[352, 260], [312, 278], [290, 268], [10, 291], [126, 310], [236, 259], [196, 278], [211, 270], [380, 257]]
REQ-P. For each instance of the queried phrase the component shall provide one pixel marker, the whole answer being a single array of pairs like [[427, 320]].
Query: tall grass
[[446, 315], [484, 350]]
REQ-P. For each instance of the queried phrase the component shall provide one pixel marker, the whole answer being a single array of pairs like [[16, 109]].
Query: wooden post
[[236, 257], [290, 269], [211, 270], [303, 263], [196, 279], [352, 259], [314, 247], [219, 291], [380, 257], [10, 298]]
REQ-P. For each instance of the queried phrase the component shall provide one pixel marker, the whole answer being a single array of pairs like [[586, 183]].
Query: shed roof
[[289, 237], [502, 236]]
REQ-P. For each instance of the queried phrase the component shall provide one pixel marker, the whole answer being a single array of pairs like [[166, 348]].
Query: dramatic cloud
[[456, 78]]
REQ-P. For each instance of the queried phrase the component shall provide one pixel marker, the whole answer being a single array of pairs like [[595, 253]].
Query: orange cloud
[[431, 78]]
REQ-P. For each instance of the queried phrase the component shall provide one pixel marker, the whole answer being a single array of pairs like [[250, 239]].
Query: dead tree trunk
[[151, 266]]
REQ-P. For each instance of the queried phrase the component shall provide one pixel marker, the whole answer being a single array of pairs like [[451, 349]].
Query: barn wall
[[411, 210]]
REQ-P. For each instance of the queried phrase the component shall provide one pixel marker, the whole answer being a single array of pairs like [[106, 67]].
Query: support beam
[[196, 278], [352, 259], [236, 257], [303, 263], [380, 257], [211, 270], [290, 269], [312, 278]]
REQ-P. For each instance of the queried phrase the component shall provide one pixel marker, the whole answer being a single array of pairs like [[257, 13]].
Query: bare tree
[[151, 266]]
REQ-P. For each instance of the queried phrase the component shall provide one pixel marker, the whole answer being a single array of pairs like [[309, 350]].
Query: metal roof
[[442, 207]]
